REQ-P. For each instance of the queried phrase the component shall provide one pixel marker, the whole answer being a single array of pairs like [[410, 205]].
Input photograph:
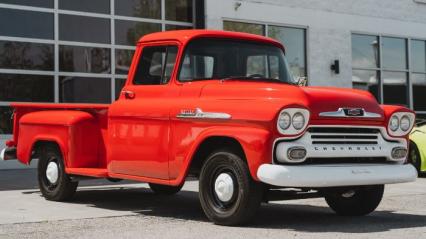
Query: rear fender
[[76, 133]]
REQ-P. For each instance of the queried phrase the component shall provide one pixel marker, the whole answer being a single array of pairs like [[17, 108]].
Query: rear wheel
[[228, 194], [357, 201], [165, 189], [54, 183], [414, 156]]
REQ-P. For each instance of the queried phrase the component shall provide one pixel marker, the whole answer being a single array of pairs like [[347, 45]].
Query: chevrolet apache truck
[[222, 107]]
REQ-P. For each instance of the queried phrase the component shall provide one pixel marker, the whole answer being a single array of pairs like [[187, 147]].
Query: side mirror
[[302, 81]]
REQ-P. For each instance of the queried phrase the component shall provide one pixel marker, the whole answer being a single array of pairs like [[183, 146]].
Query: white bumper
[[316, 176]]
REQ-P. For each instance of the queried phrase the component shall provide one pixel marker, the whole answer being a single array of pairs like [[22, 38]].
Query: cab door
[[139, 125]]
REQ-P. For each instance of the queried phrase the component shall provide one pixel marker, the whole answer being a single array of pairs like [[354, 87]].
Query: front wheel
[[228, 194], [54, 183], [357, 201]]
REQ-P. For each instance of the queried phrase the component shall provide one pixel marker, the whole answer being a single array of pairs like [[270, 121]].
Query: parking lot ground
[[101, 209]]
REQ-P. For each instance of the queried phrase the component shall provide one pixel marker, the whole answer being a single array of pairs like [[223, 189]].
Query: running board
[[88, 172]]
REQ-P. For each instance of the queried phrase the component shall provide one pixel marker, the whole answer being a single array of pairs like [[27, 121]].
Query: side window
[[155, 65]]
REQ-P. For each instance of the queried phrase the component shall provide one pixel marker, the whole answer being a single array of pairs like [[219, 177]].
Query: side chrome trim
[[341, 113], [199, 114]]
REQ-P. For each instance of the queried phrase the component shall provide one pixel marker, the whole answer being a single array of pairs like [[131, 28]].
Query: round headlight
[[405, 123], [284, 120], [394, 123], [298, 121]]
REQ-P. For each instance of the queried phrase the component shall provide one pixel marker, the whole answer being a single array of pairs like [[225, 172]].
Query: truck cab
[[222, 107]]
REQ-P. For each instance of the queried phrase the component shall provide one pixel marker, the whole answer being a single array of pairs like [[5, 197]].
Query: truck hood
[[316, 99]]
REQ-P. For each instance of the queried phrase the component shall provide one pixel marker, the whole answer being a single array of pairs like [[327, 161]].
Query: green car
[[417, 154]]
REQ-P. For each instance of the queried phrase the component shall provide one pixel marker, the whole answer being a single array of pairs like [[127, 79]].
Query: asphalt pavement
[[102, 209]]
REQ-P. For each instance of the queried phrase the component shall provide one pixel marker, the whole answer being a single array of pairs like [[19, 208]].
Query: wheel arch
[[211, 144], [27, 155], [254, 145]]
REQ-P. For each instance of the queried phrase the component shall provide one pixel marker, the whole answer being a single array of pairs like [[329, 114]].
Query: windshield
[[212, 58]]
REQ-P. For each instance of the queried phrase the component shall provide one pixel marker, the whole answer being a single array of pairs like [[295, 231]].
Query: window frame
[[138, 57], [182, 58], [380, 69]]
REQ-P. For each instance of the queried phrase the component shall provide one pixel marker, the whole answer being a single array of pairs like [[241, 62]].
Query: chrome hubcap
[[224, 187], [52, 172]]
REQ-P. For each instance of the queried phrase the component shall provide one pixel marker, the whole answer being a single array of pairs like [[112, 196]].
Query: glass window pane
[[294, 42], [34, 3], [84, 59], [365, 51], [208, 58], [6, 123], [129, 32], [139, 8], [418, 56], [123, 59], [366, 80], [419, 91], [98, 6], [26, 88], [244, 27], [119, 84], [176, 27], [150, 70], [256, 66], [84, 90], [179, 10], [170, 63], [25, 55], [394, 53], [20, 23], [197, 67], [395, 88], [84, 29]]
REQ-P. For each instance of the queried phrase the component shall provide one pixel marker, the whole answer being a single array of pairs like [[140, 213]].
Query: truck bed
[[66, 124]]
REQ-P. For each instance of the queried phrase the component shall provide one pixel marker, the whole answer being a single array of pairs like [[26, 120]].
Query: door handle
[[129, 94]]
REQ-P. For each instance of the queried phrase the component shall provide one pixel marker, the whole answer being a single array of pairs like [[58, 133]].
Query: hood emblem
[[350, 112], [354, 112]]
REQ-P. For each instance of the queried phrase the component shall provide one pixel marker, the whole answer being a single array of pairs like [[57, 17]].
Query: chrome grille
[[340, 135]]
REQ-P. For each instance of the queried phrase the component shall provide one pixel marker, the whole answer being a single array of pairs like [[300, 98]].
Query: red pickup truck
[[222, 107]]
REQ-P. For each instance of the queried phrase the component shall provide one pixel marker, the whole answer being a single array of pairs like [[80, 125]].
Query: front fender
[[255, 142]]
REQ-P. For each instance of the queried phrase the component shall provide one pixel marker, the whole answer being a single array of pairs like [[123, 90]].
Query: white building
[[379, 45]]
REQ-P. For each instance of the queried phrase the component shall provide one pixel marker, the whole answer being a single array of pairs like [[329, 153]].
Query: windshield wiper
[[255, 78]]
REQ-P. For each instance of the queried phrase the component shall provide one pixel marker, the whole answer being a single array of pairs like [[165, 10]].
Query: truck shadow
[[297, 217]]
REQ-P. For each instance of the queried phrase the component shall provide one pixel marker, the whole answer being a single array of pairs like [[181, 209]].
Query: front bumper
[[317, 176]]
